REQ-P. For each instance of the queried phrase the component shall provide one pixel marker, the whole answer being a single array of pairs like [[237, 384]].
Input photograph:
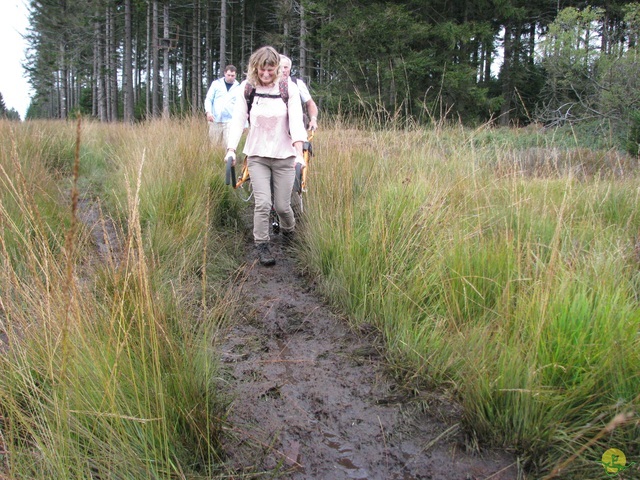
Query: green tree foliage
[[372, 74], [59, 60], [587, 79], [411, 60], [10, 114], [570, 55]]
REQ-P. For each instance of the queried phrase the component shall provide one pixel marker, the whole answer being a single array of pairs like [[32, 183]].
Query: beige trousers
[[264, 172], [218, 133]]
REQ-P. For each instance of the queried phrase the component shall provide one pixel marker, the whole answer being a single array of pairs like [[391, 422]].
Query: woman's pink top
[[273, 126]]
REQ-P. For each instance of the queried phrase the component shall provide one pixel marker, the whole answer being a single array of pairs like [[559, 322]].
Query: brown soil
[[313, 401], [312, 398]]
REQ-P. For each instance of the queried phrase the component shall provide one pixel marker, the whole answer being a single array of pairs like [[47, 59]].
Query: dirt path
[[312, 400], [311, 397]]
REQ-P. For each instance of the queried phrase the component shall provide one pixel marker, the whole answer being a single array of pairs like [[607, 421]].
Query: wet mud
[[310, 396], [312, 399]]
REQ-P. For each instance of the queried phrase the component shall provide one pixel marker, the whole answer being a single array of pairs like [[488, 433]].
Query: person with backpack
[[308, 104], [272, 107], [219, 103]]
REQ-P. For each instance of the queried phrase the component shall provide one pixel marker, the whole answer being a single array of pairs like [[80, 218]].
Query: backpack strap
[[284, 90], [250, 93]]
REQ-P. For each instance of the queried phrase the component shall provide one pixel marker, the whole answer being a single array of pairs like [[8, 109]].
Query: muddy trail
[[312, 400]]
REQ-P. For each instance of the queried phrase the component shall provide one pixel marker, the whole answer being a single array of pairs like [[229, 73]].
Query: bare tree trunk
[[223, 37], [54, 111], [184, 98], [147, 87], [166, 43], [198, 57], [71, 88], [107, 66], [194, 69], [488, 59], [196, 79], [155, 87], [137, 75], [100, 99], [231, 26], [285, 35], [63, 86], [302, 67], [507, 87], [94, 82], [112, 55], [173, 93], [208, 57], [127, 65], [243, 35]]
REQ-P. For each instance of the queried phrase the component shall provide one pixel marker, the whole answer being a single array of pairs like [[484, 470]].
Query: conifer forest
[[505, 61]]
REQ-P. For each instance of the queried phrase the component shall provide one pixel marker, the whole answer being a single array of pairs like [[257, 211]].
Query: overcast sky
[[13, 85]]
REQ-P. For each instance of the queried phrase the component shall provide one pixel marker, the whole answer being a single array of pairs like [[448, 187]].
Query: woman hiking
[[274, 143]]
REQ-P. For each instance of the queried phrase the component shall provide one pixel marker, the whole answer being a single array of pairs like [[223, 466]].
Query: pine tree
[[3, 107]]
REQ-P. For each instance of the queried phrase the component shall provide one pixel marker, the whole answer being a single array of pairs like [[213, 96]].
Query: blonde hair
[[262, 58]]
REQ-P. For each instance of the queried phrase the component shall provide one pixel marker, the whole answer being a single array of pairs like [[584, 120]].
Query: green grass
[[515, 288], [502, 266], [109, 370]]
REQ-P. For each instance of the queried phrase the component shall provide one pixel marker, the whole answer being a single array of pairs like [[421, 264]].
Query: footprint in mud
[[345, 457]]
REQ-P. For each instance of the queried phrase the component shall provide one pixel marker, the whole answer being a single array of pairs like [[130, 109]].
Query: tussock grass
[[108, 369], [509, 280]]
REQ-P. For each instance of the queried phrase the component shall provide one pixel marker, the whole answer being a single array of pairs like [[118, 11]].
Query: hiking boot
[[288, 237], [264, 255]]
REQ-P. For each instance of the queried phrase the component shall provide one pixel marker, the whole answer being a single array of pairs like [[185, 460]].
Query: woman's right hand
[[230, 154]]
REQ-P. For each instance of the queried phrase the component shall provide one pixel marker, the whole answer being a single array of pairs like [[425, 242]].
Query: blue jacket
[[220, 101]]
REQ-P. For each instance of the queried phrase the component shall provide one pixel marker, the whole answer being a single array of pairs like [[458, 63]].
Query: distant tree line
[[421, 60], [10, 114]]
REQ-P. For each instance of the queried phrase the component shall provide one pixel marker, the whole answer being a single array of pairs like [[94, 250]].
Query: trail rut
[[312, 399]]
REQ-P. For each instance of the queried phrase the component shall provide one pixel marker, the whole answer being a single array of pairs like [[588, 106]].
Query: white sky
[[14, 86]]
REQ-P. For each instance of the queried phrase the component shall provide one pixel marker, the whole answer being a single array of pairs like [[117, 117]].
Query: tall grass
[[515, 286], [504, 269], [107, 369]]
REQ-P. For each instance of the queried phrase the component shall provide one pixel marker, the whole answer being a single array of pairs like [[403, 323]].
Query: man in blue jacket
[[219, 103]]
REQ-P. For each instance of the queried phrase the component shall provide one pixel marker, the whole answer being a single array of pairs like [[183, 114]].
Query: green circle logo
[[614, 461]]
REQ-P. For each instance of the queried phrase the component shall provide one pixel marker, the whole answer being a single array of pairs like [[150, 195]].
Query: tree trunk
[[208, 57], [112, 57], [100, 97], [63, 86], [147, 87], [195, 60], [184, 99], [166, 43], [243, 36], [302, 67], [96, 74], [155, 75], [507, 87], [127, 65], [198, 58], [223, 37]]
